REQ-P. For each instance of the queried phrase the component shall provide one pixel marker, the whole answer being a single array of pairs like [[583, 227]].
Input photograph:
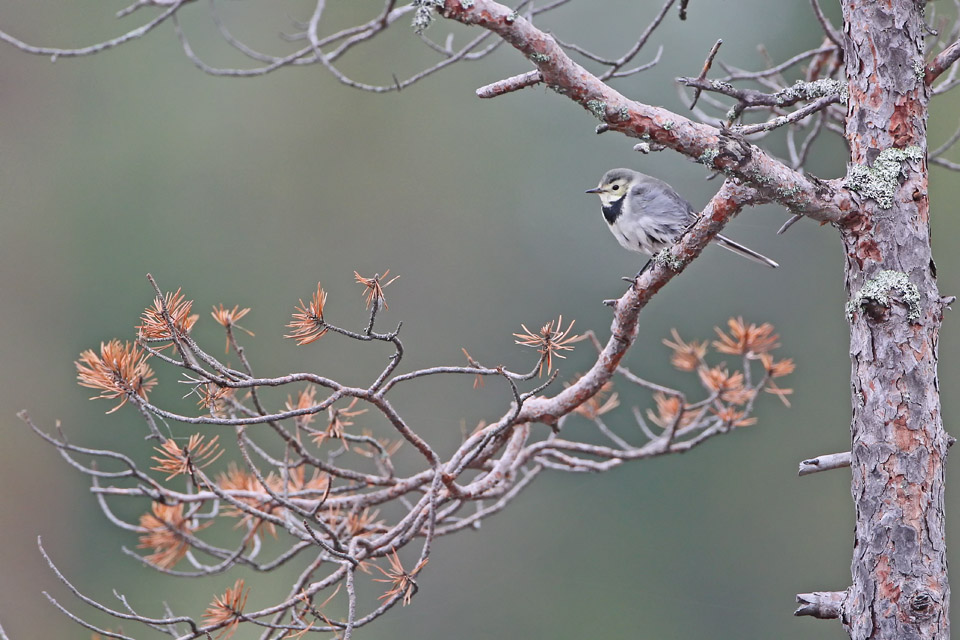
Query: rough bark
[[899, 447]]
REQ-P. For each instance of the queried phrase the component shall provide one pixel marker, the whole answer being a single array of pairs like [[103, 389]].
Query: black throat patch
[[613, 210]]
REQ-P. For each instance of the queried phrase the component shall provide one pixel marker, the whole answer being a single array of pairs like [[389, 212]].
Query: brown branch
[[717, 149], [942, 62], [706, 69]]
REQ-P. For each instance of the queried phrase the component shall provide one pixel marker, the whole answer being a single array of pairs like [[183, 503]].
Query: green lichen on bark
[[598, 108], [667, 259], [919, 70], [880, 181], [783, 193], [424, 13], [813, 90], [878, 288], [708, 156]]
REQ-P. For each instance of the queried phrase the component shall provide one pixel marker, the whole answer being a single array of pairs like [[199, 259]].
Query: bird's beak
[[594, 190]]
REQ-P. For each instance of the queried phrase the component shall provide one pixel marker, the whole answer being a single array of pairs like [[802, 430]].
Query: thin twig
[[827, 27], [705, 70]]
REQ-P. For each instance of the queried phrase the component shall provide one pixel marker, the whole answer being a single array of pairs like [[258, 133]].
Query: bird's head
[[614, 185]]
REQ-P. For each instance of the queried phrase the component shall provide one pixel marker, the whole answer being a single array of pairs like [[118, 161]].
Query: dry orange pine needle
[[155, 325], [687, 356], [403, 582], [166, 528], [175, 460], [307, 324], [120, 371], [227, 609], [746, 340], [551, 339], [227, 318], [375, 287]]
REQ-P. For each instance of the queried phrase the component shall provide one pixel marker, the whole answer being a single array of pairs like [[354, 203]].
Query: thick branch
[[718, 149], [942, 62]]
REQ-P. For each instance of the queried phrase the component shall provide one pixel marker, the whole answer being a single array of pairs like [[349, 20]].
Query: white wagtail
[[646, 214]]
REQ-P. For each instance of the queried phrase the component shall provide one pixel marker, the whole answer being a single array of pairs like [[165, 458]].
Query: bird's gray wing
[[661, 201]]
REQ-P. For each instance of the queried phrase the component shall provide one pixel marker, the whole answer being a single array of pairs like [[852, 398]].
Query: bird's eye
[[615, 187]]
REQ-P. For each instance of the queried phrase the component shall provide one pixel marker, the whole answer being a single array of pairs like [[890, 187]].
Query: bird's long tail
[[738, 248]]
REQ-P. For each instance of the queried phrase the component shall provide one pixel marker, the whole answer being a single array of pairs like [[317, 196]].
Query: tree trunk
[[900, 588]]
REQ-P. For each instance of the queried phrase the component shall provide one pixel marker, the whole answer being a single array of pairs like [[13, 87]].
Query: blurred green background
[[250, 191]]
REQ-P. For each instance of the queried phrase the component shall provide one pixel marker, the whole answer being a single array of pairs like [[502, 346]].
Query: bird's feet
[[633, 279]]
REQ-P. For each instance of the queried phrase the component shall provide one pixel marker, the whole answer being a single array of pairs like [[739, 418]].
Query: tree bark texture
[[899, 588]]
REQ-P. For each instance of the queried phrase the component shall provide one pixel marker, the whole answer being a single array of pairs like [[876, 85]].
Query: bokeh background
[[250, 191]]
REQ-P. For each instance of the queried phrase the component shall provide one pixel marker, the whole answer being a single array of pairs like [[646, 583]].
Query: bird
[[646, 214]]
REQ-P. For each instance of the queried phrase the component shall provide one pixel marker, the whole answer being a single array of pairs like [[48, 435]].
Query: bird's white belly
[[639, 234]]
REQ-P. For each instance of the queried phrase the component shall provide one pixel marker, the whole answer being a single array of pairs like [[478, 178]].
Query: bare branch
[[821, 604], [792, 220], [801, 157], [824, 463], [507, 85], [943, 61], [794, 117], [640, 68], [642, 40], [55, 53], [751, 99], [705, 70], [757, 75], [828, 28], [947, 164], [952, 140]]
